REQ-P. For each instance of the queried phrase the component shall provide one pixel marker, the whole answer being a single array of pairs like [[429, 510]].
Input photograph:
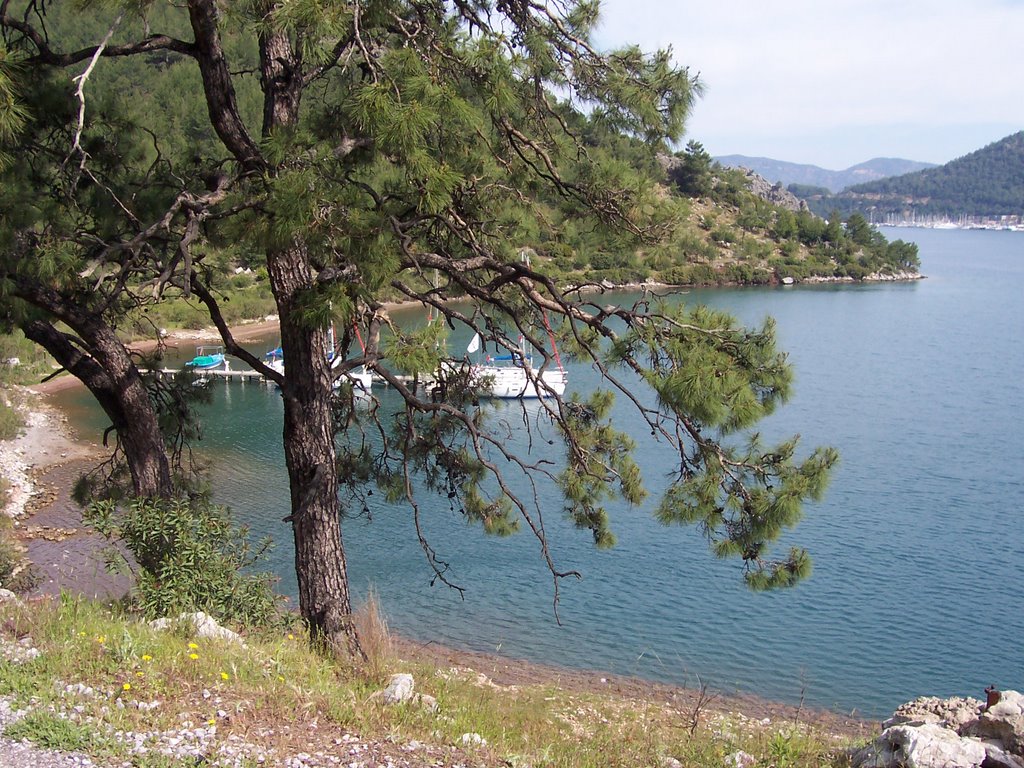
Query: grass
[[101, 672]]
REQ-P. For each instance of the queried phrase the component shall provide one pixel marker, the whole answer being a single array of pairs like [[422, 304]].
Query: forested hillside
[[710, 228], [986, 184]]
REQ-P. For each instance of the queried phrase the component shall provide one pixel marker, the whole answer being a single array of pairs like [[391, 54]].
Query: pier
[[246, 375]]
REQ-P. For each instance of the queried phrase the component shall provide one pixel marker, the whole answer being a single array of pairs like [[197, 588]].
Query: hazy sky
[[837, 82]]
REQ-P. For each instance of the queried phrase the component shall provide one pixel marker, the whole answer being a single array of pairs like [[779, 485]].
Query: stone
[[399, 688], [997, 757], [920, 746], [953, 713], [740, 759], [205, 626], [473, 740], [1003, 721]]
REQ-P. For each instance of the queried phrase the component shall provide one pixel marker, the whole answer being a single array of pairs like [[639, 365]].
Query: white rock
[[399, 689], [473, 739], [204, 625], [921, 746], [740, 759]]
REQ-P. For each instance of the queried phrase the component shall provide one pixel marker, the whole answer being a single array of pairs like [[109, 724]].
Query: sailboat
[[514, 376], [362, 380]]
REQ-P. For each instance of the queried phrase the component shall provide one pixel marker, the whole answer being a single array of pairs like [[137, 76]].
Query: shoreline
[[66, 557]]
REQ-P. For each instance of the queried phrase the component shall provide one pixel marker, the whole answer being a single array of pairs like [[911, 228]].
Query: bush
[[190, 557], [11, 421], [723, 235]]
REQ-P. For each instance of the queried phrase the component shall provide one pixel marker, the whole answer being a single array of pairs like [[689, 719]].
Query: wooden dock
[[224, 374], [246, 375]]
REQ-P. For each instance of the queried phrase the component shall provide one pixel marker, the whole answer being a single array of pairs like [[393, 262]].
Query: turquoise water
[[918, 584]]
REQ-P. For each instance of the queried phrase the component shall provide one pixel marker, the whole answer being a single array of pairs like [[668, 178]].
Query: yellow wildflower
[[146, 657], [225, 676], [192, 646], [127, 686], [211, 721], [193, 656]]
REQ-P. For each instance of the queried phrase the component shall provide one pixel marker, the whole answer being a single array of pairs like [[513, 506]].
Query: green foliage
[[12, 112], [11, 559], [51, 731], [599, 466], [11, 421], [723, 235], [189, 556], [451, 145], [693, 173], [713, 375]]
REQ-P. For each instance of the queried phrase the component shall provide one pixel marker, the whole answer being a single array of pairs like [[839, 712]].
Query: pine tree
[[415, 148]]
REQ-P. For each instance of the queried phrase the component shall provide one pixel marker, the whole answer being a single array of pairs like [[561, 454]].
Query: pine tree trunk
[[320, 566], [111, 375]]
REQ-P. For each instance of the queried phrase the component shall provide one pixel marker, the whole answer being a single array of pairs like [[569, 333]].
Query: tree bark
[[320, 566], [114, 380]]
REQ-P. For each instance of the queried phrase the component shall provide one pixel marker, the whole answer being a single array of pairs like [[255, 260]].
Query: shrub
[[11, 421], [190, 556], [723, 235]]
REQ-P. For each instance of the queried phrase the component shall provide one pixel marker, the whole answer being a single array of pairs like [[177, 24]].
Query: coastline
[[41, 466], [47, 457]]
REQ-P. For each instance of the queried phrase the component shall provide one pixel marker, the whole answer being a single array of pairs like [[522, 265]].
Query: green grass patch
[[54, 732], [102, 670]]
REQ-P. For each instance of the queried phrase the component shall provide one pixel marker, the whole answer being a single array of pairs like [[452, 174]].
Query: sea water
[[918, 546]]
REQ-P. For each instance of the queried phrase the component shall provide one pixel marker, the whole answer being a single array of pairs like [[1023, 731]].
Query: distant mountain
[[985, 185], [813, 176]]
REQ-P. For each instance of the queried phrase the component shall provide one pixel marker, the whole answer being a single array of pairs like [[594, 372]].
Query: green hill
[[984, 186]]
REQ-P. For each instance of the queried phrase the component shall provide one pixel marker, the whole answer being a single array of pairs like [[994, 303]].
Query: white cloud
[[923, 80]]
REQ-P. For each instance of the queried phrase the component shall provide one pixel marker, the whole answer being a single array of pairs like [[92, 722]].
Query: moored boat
[[207, 359], [514, 375]]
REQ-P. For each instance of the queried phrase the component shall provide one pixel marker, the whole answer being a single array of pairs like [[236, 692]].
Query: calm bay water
[[918, 584]]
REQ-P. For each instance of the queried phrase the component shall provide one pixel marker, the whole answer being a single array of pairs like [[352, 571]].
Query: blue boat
[[207, 359]]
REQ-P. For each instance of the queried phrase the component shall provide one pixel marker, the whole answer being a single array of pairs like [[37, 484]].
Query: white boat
[[275, 360], [362, 379], [514, 376]]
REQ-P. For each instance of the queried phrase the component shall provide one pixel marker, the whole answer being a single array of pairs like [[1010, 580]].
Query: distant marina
[[1008, 223]]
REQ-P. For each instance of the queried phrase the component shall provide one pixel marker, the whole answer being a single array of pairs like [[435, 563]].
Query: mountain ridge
[[804, 174], [984, 186]]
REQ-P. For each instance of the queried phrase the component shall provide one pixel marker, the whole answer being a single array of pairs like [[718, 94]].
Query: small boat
[[207, 359], [362, 380], [514, 376], [275, 360]]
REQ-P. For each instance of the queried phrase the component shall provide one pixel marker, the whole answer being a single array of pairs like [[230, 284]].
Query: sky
[[834, 83]]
